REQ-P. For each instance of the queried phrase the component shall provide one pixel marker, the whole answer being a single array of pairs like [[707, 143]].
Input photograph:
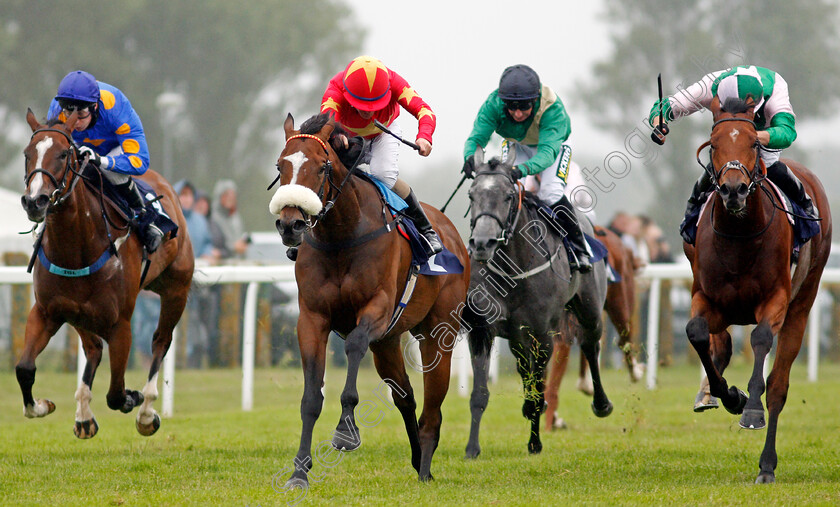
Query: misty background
[[213, 80]]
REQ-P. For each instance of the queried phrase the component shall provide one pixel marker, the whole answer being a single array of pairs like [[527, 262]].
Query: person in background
[[226, 215], [197, 224]]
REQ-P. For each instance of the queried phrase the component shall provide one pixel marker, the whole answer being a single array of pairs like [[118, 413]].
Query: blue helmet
[[78, 86]]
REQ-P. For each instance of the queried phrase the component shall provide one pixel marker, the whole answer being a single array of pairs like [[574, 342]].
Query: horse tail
[[480, 336]]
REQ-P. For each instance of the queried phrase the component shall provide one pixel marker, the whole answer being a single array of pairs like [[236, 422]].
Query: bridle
[[508, 225], [62, 190], [327, 187], [755, 176]]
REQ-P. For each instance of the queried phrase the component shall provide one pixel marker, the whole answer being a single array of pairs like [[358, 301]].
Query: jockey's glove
[[469, 167], [515, 173], [94, 158]]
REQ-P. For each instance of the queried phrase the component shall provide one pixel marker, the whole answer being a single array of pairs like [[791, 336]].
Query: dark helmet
[[78, 86], [519, 82]]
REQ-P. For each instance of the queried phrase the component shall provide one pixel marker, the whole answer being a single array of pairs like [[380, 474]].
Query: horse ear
[[714, 107], [510, 161], [71, 122], [327, 129], [289, 126], [478, 156], [31, 120], [750, 106]]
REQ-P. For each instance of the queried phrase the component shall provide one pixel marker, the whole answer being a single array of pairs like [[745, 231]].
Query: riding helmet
[[519, 82], [78, 86], [367, 84]]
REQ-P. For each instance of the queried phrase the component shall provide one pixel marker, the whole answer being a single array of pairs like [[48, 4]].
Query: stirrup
[[153, 238], [432, 243]]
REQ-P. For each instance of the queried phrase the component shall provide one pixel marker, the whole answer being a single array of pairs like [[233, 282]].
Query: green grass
[[652, 450]]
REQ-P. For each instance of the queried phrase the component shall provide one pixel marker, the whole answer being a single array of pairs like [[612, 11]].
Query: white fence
[[254, 275]]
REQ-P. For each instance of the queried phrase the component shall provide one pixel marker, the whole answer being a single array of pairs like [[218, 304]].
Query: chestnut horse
[[619, 305], [94, 291], [351, 273], [742, 273]]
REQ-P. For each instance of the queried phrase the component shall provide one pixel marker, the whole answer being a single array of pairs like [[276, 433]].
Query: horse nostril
[[298, 226], [743, 189], [42, 201], [724, 191]]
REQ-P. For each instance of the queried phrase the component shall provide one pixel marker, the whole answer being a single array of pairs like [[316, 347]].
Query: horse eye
[[64, 154]]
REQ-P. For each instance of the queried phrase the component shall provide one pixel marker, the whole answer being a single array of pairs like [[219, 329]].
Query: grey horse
[[521, 288]]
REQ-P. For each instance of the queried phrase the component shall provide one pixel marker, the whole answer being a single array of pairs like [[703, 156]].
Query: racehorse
[[619, 305], [76, 283], [351, 273], [522, 270], [742, 272]]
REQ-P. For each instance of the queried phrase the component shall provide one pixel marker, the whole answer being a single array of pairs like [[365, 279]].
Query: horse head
[[306, 168], [494, 201], [51, 164], [736, 162]]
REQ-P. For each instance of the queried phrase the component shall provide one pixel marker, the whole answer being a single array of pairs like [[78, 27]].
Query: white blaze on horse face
[[734, 134], [297, 160], [41, 148]]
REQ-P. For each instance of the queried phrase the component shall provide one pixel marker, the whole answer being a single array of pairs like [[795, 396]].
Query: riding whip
[[383, 128], [661, 130]]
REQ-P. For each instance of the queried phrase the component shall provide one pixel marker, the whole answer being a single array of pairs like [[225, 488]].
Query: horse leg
[[480, 343], [559, 362], [721, 350], [346, 436], [119, 345], [619, 308], [437, 350], [532, 357], [173, 302], [584, 383], [389, 363], [778, 382], [591, 326], [85, 424], [761, 340], [313, 332], [697, 331], [39, 330]]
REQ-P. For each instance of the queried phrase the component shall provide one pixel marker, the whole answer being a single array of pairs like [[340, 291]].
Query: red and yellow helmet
[[367, 84]]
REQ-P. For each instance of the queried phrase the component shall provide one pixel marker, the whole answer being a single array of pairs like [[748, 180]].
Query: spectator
[[226, 215], [658, 248], [197, 224]]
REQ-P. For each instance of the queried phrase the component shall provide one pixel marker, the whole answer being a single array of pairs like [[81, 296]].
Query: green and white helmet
[[744, 83]]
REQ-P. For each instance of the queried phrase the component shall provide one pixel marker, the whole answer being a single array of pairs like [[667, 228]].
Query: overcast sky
[[453, 53]]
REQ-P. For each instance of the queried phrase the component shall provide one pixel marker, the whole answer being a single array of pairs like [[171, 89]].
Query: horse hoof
[[472, 453], [150, 429], [752, 419], [296, 483], [602, 412], [31, 411], [585, 385], [534, 447], [132, 399], [559, 424], [427, 478], [344, 444], [742, 401], [765, 478], [704, 401], [86, 429]]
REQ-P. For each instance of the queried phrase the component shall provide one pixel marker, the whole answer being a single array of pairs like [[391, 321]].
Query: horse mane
[[736, 105], [53, 122], [314, 124]]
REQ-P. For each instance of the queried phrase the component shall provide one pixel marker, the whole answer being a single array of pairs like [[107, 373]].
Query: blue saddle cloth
[[443, 263], [154, 211]]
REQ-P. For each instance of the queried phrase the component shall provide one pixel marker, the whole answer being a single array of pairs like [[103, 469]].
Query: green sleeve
[[663, 105], [555, 128], [782, 131], [483, 127]]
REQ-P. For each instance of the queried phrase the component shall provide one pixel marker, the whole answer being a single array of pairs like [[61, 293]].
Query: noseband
[[509, 223], [62, 191]]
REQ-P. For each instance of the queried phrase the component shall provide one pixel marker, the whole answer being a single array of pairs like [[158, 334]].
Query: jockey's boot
[[688, 227], [150, 235], [421, 221], [783, 177], [563, 208]]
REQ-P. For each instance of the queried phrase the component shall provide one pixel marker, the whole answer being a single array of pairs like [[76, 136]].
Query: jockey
[[774, 120], [531, 118], [109, 133], [366, 90]]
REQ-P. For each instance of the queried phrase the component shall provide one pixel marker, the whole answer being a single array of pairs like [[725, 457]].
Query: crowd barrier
[[653, 275]]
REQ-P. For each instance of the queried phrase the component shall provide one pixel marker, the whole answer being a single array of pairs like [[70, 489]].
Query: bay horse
[[522, 270], [90, 290], [619, 306], [351, 272], [742, 273]]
